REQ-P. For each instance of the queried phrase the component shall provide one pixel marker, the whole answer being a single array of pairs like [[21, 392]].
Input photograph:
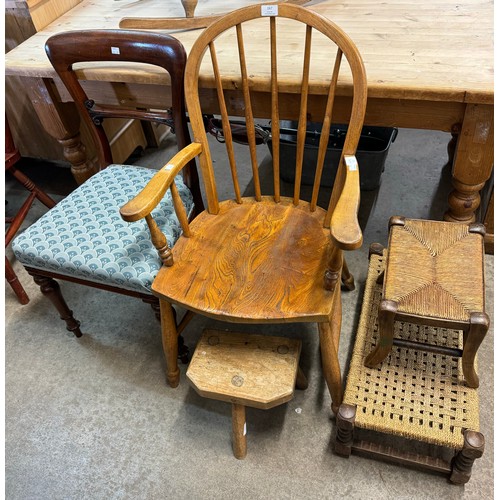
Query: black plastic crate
[[371, 154]]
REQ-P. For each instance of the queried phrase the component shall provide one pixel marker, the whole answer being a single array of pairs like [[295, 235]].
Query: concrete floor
[[92, 418]]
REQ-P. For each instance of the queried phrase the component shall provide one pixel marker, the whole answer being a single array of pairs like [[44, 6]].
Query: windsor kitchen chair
[[264, 258]]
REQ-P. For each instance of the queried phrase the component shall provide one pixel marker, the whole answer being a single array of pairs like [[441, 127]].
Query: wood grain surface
[[252, 262], [246, 369], [417, 50]]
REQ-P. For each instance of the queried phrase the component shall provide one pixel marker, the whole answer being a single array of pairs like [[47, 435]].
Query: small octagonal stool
[[245, 370], [433, 276], [413, 407]]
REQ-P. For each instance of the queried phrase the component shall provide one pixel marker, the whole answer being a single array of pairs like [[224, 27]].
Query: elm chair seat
[[84, 237]]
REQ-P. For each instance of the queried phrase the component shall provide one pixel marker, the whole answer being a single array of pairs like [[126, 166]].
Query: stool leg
[[386, 314], [301, 381], [462, 464], [479, 324], [345, 430], [239, 431]]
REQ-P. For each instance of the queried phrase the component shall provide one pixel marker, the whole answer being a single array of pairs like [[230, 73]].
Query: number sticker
[[351, 163], [269, 10]]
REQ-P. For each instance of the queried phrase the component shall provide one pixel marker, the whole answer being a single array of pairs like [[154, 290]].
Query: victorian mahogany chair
[[264, 259], [12, 156], [83, 238]]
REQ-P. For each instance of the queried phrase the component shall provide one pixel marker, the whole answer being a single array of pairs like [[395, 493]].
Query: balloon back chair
[[265, 258], [83, 239]]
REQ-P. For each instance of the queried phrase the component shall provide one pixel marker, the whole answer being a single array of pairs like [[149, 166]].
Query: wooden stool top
[[435, 269], [252, 370], [413, 394]]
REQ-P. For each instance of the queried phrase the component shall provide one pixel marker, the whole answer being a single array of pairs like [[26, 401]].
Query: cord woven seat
[[413, 394], [410, 396]]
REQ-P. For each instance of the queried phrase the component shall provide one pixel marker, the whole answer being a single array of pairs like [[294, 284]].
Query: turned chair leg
[[329, 337], [345, 430], [386, 314], [183, 350], [170, 341], [32, 187], [15, 284], [347, 277], [479, 324], [462, 464], [51, 289], [239, 431]]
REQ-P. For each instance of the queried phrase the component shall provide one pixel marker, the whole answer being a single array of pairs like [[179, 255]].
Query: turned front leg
[[334, 269], [344, 439], [462, 464], [329, 337], [50, 288]]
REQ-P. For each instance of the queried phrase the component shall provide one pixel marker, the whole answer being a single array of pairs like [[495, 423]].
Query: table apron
[[386, 112]]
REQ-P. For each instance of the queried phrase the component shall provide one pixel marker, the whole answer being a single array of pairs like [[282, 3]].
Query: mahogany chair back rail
[[65, 50]]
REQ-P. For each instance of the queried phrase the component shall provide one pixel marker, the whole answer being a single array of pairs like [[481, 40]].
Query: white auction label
[[269, 10], [351, 163]]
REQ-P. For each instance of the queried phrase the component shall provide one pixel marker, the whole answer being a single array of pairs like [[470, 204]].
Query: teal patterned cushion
[[83, 236]]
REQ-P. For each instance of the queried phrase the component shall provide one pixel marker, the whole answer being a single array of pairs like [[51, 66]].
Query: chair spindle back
[[270, 81]]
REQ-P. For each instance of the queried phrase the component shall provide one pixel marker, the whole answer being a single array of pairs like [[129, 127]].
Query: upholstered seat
[[84, 237]]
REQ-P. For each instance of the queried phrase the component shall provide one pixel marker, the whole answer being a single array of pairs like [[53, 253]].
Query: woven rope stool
[[434, 276], [245, 370], [413, 407]]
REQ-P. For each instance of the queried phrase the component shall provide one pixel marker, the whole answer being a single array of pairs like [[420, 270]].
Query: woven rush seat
[[84, 236], [434, 276], [412, 394]]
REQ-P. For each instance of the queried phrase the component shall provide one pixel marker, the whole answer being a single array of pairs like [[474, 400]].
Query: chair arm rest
[[344, 226], [145, 202]]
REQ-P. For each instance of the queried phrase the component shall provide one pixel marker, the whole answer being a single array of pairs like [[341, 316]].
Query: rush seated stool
[[434, 276], [413, 408]]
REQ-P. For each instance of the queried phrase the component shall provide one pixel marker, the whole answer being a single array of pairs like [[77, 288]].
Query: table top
[[412, 49]]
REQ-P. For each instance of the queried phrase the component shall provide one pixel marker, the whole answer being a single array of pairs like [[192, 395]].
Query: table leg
[[473, 163], [61, 121]]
